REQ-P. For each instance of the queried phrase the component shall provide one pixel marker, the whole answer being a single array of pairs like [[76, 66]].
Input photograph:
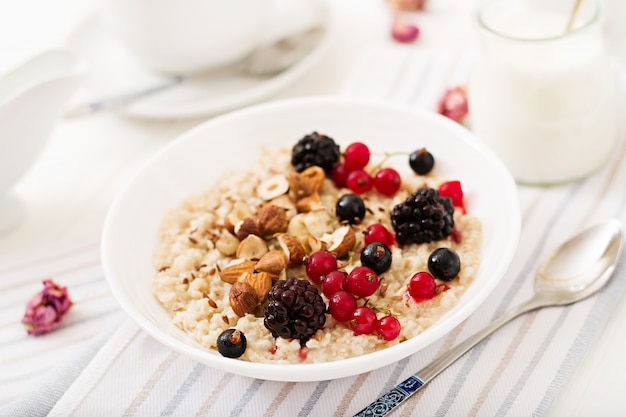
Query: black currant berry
[[444, 264], [421, 161], [350, 208], [376, 256], [231, 343]]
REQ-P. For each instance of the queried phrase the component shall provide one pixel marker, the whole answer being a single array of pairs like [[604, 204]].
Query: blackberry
[[294, 310], [423, 217], [315, 149]]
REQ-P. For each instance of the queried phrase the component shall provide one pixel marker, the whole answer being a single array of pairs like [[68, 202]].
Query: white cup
[[192, 36]]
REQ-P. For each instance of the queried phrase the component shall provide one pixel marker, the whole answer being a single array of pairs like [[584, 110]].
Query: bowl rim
[[333, 369]]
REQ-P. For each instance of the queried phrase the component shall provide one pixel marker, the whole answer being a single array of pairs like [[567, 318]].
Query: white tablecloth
[[560, 361]]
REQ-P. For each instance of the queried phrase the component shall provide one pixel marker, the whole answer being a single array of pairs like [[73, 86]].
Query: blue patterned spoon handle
[[390, 400]]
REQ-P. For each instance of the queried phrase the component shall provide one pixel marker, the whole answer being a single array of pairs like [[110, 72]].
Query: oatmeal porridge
[[224, 254]]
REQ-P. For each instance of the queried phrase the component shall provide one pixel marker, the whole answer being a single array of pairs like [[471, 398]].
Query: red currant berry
[[356, 156], [342, 304], [453, 190], [319, 264], [378, 233], [387, 181], [359, 181], [388, 327], [422, 287], [340, 175], [363, 320], [362, 281], [334, 281]]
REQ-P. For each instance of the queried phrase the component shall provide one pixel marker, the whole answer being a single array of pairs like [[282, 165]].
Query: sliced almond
[[273, 262], [227, 244], [252, 248], [243, 298], [233, 273], [271, 219], [238, 212], [341, 241], [292, 247], [273, 187], [260, 281], [246, 227], [287, 203]]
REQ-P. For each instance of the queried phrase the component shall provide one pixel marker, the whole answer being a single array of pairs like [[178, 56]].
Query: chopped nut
[[286, 202], [239, 211], [212, 303], [341, 241], [309, 203], [245, 228], [307, 182], [292, 248], [252, 247], [311, 243], [273, 262], [227, 244], [231, 274], [243, 298], [273, 187], [271, 219]]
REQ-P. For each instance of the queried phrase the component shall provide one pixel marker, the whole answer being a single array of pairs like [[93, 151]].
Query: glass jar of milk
[[543, 97]]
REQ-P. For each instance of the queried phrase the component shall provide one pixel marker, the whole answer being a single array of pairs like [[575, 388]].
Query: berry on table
[[350, 208], [387, 181], [319, 264], [341, 305], [315, 150], [388, 327], [423, 217], [376, 256], [377, 232], [444, 264], [294, 310], [421, 161], [362, 281], [334, 281], [363, 320], [231, 343], [422, 287], [359, 181], [356, 156]]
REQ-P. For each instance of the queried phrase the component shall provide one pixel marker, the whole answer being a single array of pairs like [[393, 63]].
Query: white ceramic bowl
[[193, 162]]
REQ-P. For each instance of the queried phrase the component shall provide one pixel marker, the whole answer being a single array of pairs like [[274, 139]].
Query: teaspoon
[[575, 270]]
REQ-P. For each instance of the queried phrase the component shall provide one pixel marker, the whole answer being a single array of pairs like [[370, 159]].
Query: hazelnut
[[341, 241], [273, 262], [252, 247], [246, 227], [243, 298], [272, 219], [292, 247], [238, 212], [273, 187], [307, 182]]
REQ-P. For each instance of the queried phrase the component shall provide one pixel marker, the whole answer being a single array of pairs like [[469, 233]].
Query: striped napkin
[[99, 363]]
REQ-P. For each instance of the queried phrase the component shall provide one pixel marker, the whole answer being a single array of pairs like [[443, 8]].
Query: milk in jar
[[542, 98]]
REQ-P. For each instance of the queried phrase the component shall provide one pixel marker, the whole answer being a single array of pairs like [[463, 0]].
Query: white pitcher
[[33, 97]]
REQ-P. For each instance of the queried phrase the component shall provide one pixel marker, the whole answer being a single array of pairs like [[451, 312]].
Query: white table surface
[[68, 191]]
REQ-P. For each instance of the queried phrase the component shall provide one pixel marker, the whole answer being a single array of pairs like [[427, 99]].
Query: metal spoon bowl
[[575, 270]]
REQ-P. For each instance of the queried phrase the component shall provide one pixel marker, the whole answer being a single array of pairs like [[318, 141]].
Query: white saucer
[[115, 71]]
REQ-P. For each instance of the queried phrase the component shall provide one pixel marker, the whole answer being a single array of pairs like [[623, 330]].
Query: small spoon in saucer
[[266, 61], [577, 269]]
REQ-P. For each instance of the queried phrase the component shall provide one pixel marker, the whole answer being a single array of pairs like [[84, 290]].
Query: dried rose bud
[[407, 4], [46, 309], [453, 104], [404, 32]]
